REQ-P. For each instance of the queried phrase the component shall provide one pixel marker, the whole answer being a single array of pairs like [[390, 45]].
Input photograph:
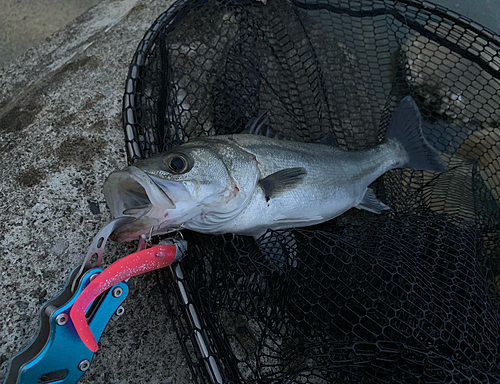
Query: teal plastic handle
[[57, 354]]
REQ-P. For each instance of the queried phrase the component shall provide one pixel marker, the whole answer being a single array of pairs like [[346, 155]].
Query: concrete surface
[[24, 23], [60, 136], [484, 12]]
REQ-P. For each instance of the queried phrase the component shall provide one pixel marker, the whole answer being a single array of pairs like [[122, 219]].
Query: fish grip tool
[[46, 358], [57, 354], [72, 322], [408, 296]]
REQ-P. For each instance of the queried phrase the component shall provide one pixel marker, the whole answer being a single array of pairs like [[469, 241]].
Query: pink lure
[[134, 264]]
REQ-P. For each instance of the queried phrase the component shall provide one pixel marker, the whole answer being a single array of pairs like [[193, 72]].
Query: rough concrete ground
[[60, 136], [24, 23]]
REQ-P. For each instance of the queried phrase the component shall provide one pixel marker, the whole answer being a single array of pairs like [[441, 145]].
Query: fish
[[246, 184]]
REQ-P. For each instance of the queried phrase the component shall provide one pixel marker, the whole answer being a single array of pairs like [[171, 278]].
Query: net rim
[[129, 116]]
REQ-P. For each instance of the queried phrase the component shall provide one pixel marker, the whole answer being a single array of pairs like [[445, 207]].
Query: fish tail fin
[[406, 128]]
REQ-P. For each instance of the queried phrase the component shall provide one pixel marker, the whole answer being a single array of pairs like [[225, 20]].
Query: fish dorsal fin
[[371, 203], [259, 126], [282, 181]]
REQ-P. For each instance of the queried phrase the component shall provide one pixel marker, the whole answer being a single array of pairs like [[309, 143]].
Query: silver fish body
[[333, 182], [245, 184]]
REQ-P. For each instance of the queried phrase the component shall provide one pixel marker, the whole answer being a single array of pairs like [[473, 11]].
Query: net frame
[[208, 357]]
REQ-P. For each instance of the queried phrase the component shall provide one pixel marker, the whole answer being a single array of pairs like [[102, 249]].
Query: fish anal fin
[[282, 181], [371, 203], [280, 249]]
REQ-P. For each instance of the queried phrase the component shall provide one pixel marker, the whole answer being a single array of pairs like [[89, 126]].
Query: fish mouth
[[132, 192], [144, 198]]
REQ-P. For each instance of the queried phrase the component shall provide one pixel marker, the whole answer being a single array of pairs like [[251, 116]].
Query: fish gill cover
[[408, 296]]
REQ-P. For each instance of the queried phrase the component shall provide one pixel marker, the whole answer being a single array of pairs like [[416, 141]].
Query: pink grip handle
[[134, 264]]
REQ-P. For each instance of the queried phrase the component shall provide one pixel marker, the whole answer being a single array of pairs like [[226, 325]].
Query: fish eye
[[177, 163]]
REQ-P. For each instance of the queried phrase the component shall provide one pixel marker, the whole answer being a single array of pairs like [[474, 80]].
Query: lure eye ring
[[178, 163]]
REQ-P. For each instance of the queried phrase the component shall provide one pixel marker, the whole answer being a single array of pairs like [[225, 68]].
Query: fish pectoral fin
[[282, 181], [297, 219], [371, 203]]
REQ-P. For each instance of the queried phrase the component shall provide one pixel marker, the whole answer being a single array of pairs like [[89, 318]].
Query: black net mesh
[[409, 296]]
